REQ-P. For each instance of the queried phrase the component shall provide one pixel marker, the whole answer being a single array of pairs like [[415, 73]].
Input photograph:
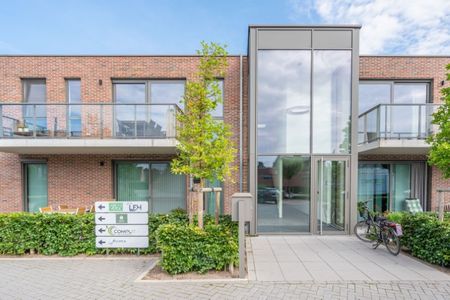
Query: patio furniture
[[91, 209], [63, 206], [70, 211], [81, 210], [413, 205], [46, 210]]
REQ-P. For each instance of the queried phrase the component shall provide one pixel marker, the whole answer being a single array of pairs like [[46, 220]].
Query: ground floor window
[[35, 186], [150, 181], [386, 185]]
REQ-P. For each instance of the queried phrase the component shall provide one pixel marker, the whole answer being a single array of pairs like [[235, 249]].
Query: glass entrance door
[[331, 201]]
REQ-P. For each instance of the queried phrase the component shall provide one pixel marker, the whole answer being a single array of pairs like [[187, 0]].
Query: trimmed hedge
[[66, 235], [425, 236], [187, 248]]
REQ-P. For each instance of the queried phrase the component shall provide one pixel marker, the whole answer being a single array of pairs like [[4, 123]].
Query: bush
[[66, 235], [187, 248], [425, 236]]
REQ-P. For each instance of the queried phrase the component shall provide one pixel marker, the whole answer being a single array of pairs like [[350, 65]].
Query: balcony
[[395, 129], [102, 128]]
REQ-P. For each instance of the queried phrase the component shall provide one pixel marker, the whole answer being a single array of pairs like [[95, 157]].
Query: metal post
[[241, 210], [378, 122]]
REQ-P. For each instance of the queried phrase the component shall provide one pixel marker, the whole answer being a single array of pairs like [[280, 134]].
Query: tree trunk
[[199, 197], [217, 207], [190, 207]]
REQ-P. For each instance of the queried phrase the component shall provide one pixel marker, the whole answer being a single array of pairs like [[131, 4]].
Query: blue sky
[[177, 26]]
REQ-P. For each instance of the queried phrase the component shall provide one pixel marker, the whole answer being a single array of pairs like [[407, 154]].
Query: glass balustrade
[[100, 121]]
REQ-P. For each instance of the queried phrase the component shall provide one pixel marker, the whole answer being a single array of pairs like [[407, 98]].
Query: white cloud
[[400, 26]]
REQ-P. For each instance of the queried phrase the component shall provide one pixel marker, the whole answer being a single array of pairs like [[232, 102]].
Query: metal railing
[[396, 121], [88, 120]]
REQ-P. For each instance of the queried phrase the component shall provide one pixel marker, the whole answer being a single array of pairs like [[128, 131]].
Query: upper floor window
[[74, 99], [149, 91], [372, 93], [34, 90]]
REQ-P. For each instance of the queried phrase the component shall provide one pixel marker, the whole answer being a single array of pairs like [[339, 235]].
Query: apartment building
[[317, 127]]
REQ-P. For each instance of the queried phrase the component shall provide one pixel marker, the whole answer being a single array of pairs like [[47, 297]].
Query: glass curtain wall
[[284, 108], [150, 181], [284, 193], [332, 101], [285, 144], [36, 186]]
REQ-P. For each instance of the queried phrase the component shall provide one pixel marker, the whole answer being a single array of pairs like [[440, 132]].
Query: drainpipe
[[240, 122]]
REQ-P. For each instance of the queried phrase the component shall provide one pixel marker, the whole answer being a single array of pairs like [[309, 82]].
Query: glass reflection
[[167, 93], [130, 119], [332, 99], [283, 96], [372, 94], [283, 194]]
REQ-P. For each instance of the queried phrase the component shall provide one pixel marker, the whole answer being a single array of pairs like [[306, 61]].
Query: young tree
[[439, 155], [205, 149]]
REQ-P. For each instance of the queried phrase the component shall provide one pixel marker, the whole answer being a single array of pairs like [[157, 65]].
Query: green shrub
[[66, 235], [187, 248], [425, 236]]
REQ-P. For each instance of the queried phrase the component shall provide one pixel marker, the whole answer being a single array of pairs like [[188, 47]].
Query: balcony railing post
[[386, 121], [1, 120], [135, 121], [419, 129], [101, 121], [34, 121], [378, 122]]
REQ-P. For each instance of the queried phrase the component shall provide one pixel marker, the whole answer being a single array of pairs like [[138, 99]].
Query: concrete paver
[[333, 258], [353, 271]]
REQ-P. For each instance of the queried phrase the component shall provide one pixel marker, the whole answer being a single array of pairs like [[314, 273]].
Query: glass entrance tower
[[303, 102]]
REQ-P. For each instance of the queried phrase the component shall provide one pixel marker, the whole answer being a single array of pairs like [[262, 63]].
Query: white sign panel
[[121, 230], [121, 218], [124, 206], [121, 242]]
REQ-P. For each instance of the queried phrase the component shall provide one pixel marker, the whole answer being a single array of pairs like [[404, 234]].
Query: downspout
[[240, 123]]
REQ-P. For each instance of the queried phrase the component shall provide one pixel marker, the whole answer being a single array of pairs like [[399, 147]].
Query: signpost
[[121, 224]]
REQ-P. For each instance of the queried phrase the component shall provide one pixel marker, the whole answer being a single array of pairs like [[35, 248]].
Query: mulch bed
[[157, 273]]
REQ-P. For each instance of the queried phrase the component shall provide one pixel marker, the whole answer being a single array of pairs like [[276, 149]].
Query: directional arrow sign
[[121, 242], [121, 218], [124, 206], [121, 230]]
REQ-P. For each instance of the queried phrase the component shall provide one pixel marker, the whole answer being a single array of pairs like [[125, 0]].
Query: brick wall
[[409, 67], [90, 182]]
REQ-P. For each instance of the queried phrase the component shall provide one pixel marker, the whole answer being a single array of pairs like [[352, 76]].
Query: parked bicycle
[[378, 230]]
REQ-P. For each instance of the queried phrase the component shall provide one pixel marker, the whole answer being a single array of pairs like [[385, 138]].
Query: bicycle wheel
[[391, 241], [365, 231]]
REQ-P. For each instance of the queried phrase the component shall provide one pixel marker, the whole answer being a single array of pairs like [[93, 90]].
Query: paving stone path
[[345, 275]]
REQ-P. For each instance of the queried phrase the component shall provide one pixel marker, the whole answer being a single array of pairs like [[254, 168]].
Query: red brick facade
[[414, 68], [80, 180]]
